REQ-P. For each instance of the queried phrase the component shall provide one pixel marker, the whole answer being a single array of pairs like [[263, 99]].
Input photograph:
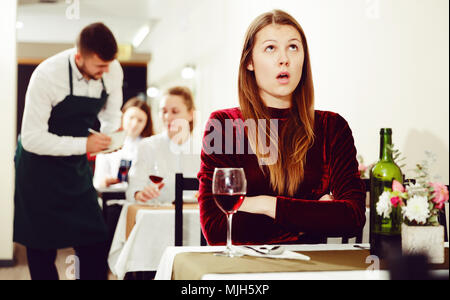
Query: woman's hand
[[327, 197], [150, 192], [266, 205]]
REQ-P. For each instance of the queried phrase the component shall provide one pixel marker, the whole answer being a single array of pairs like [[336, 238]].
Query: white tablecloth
[[164, 271], [153, 232]]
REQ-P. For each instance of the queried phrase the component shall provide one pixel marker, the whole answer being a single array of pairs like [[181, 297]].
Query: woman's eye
[[293, 47], [269, 49]]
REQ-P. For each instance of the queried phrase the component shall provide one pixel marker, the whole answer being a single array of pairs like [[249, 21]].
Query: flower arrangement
[[420, 202]]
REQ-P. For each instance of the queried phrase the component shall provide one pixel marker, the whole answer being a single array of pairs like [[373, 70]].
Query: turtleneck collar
[[279, 113]]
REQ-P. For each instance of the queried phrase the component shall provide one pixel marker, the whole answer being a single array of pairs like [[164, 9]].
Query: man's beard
[[89, 75]]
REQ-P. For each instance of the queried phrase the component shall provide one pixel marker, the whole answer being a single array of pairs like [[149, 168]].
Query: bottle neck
[[386, 147]]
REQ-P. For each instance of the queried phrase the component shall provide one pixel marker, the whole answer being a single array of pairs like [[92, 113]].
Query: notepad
[[117, 140]]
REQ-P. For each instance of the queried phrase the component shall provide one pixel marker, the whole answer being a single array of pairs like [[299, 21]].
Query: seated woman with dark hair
[[137, 123]]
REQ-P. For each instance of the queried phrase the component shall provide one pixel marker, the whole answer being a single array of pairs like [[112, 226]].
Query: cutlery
[[267, 250]]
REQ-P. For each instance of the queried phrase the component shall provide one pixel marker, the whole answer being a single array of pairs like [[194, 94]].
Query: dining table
[[326, 262], [143, 232]]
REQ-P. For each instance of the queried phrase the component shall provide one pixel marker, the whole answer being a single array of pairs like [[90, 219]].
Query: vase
[[426, 240]]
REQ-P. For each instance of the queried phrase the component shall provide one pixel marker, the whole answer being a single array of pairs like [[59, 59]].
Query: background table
[[153, 232]]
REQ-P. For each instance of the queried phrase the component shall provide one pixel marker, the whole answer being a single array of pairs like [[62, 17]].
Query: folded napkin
[[266, 251]]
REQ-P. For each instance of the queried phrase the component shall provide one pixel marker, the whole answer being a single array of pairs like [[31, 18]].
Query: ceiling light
[[188, 72], [140, 36], [153, 92]]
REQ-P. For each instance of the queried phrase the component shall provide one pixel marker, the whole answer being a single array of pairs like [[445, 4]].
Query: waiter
[[55, 202]]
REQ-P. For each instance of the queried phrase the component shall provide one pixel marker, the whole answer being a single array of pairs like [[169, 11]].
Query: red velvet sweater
[[331, 166]]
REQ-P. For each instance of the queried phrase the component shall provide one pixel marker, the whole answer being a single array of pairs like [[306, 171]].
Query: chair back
[[107, 196], [183, 184]]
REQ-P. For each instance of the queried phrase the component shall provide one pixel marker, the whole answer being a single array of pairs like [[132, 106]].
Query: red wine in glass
[[156, 179], [229, 188], [229, 203]]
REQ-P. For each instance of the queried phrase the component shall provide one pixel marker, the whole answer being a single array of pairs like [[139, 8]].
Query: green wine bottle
[[385, 238]]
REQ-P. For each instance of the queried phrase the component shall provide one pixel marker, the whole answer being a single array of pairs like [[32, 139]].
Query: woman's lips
[[283, 77]]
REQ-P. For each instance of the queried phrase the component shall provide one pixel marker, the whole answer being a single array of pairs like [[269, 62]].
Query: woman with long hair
[[305, 185]]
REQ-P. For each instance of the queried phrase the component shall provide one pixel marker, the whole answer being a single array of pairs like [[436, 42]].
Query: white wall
[[379, 63], [8, 100]]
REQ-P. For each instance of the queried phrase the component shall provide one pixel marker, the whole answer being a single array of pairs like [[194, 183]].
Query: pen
[[94, 132]]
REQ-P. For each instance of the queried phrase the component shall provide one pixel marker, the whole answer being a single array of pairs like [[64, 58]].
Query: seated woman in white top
[[137, 122], [163, 155]]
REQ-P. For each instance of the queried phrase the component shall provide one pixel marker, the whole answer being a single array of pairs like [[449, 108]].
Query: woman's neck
[[276, 102], [133, 138], [178, 137]]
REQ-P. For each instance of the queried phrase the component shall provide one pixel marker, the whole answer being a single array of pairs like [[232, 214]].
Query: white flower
[[384, 205], [416, 209]]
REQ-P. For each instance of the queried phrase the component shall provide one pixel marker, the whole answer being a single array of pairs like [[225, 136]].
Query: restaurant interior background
[[378, 63]]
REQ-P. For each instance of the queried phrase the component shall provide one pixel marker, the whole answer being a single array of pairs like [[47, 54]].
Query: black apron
[[56, 203]]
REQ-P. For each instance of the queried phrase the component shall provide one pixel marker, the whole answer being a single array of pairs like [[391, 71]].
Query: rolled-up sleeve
[[138, 174], [35, 136]]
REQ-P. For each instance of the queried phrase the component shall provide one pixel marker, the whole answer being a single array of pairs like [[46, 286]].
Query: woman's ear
[[191, 115], [250, 66]]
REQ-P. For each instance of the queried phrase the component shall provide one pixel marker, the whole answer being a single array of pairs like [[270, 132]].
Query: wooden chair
[[183, 184]]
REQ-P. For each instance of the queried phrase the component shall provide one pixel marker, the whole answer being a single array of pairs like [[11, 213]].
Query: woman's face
[[277, 61], [134, 121], [175, 113]]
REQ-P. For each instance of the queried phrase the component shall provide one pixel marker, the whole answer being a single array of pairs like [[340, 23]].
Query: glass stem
[[229, 222]]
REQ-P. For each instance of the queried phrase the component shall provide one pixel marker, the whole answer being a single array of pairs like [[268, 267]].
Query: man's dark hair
[[97, 38]]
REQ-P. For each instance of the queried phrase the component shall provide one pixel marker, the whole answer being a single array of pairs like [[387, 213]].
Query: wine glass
[[229, 188], [156, 176]]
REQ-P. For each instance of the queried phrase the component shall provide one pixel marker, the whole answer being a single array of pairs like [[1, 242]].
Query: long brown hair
[[297, 135], [136, 102]]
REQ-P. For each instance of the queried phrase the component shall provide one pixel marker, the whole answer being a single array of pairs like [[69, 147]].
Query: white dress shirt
[[107, 165], [171, 158], [50, 85]]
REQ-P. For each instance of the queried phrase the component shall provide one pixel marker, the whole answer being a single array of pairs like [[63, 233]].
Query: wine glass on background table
[[229, 187], [156, 176]]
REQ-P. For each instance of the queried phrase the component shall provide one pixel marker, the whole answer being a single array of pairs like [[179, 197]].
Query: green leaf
[[433, 220], [430, 206]]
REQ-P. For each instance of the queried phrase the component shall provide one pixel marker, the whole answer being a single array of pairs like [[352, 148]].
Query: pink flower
[[396, 201], [397, 187], [362, 168], [440, 194]]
